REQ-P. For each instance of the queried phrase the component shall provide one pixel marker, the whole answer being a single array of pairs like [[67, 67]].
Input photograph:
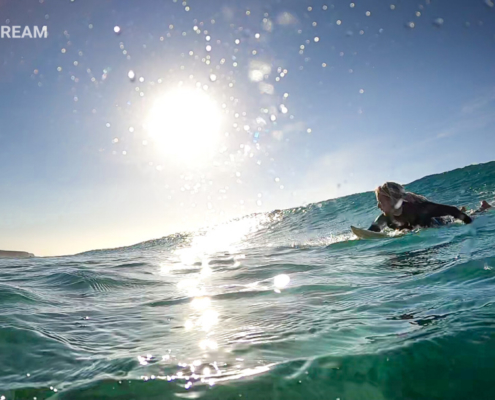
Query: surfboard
[[366, 234]]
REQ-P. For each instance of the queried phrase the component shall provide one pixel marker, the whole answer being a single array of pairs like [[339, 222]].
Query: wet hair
[[398, 195]]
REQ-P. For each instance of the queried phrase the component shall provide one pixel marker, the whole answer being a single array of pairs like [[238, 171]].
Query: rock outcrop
[[15, 254]]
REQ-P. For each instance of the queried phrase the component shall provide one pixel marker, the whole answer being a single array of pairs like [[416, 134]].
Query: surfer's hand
[[374, 228]]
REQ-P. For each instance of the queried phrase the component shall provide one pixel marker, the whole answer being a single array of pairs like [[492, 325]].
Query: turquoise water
[[286, 305]]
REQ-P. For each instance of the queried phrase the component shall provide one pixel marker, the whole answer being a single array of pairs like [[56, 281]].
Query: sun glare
[[185, 124]]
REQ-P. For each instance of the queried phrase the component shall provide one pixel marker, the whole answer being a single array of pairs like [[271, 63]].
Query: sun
[[185, 124]]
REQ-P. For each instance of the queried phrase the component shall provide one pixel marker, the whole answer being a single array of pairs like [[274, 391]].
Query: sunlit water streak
[[285, 305]]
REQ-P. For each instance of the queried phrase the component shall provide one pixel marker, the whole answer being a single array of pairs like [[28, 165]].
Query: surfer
[[407, 210]]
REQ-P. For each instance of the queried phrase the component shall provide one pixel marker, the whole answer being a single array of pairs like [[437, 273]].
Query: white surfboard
[[366, 234]]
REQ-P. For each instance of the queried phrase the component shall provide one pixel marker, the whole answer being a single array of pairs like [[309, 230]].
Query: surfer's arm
[[442, 210], [380, 223]]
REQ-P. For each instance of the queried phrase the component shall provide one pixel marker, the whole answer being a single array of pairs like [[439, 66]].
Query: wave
[[286, 304]]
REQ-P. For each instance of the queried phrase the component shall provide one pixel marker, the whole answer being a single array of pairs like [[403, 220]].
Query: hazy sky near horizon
[[315, 100]]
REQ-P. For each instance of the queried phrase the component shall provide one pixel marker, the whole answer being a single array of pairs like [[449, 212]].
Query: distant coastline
[[15, 254]]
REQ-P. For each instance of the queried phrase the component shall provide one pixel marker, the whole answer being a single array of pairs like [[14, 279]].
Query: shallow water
[[286, 305]]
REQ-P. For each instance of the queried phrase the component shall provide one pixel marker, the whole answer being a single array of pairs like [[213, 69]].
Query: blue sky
[[386, 90]]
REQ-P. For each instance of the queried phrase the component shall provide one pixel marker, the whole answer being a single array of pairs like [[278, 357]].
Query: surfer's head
[[391, 195]]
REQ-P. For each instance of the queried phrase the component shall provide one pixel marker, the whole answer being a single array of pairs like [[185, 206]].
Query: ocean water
[[283, 305]]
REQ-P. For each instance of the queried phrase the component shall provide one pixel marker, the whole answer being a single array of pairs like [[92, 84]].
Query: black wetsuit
[[418, 215]]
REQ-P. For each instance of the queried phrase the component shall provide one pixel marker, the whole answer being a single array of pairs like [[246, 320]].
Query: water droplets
[[131, 75], [280, 282], [438, 22], [213, 77], [116, 29]]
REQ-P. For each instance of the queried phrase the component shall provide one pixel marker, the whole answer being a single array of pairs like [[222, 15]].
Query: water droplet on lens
[[116, 29], [438, 22], [281, 281], [131, 75]]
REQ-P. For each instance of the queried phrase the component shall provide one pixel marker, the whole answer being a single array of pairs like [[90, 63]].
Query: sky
[[133, 120]]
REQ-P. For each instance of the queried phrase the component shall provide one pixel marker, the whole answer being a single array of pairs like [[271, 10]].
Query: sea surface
[[281, 305]]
